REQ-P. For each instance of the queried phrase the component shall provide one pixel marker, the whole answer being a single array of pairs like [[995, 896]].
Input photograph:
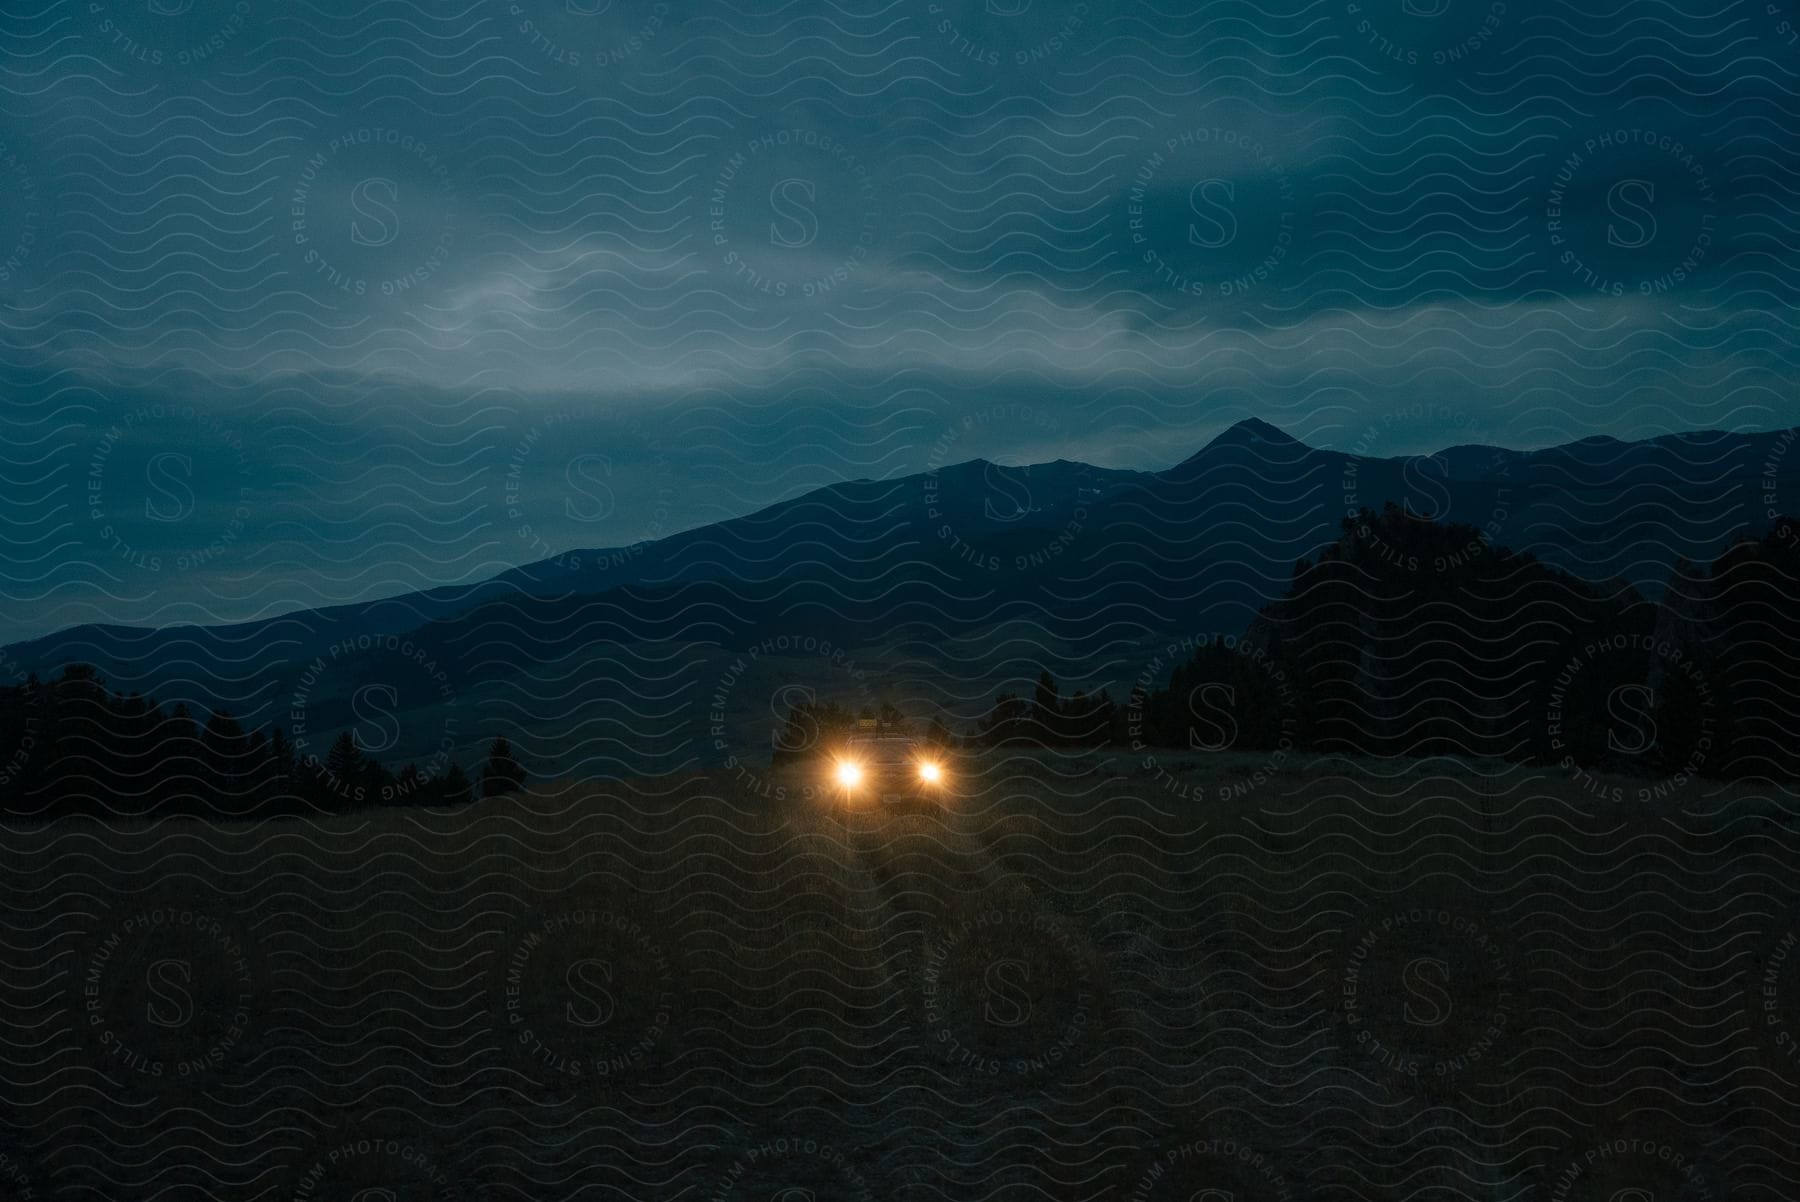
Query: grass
[[1078, 965]]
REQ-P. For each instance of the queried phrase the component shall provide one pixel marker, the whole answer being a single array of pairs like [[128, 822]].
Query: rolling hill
[[927, 590]]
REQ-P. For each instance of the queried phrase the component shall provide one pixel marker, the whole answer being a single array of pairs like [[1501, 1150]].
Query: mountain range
[[928, 590]]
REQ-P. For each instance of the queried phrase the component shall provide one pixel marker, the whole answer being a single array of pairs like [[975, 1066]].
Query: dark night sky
[[303, 303]]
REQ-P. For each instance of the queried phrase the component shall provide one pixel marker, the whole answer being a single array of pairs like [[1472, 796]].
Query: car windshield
[[882, 748]]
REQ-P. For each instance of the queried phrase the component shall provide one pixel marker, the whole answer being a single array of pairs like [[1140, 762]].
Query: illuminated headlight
[[849, 775], [930, 773]]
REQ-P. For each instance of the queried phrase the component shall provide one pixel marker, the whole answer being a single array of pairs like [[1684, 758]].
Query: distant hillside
[[672, 654]]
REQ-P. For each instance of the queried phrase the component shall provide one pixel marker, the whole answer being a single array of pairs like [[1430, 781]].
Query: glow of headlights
[[930, 773], [849, 775]]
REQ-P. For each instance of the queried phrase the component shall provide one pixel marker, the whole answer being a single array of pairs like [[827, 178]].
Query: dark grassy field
[[1084, 977]]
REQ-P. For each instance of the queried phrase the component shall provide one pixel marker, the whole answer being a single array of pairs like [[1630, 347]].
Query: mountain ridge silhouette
[[916, 567]]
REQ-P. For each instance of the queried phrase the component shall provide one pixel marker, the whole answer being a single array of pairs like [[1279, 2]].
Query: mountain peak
[[1252, 436], [1255, 430]]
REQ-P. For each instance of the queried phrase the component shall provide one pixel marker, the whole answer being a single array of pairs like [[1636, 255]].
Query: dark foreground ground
[[1082, 979]]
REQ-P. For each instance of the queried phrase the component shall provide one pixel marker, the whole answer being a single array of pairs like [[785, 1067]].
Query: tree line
[[1415, 637], [1406, 637], [73, 746]]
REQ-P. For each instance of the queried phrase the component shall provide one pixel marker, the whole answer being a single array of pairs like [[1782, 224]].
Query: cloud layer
[[308, 303]]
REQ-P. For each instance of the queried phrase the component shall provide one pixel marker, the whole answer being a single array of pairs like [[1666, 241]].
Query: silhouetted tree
[[409, 784], [74, 747], [344, 762], [454, 787], [503, 773], [1409, 636], [1046, 712]]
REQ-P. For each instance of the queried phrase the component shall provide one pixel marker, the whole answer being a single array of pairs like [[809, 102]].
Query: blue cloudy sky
[[311, 302]]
